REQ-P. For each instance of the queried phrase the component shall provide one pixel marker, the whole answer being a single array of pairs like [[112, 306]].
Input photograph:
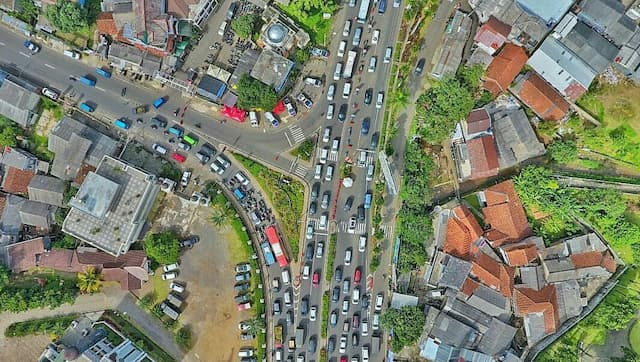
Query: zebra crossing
[[296, 134], [388, 230], [333, 157], [361, 227], [298, 169]]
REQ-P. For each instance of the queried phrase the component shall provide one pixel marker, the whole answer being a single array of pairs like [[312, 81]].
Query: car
[[375, 37], [328, 176], [244, 326], [176, 287], [204, 158], [184, 180], [306, 270], [31, 46], [379, 301], [343, 359], [335, 294], [338, 274], [313, 313], [420, 66], [370, 172], [291, 109], [277, 307], [355, 321], [319, 250], [372, 64], [348, 203], [351, 228], [170, 267], [184, 146], [342, 112], [379, 100], [360, 213], [387, 55], [157, 123], [362, 243], [313, 206], [289, 317], [272, 119], [72, 54], [317, 52], [50, 93], [365, 328], [396, 3], [333, 318], [331, 344], [241, 277], [241, 287], [243, 268], [189, 242], [347, 256], [306, 102], [308, 255], [315, 189], [375, 323], [357, 36], [178, 157], [325, 200], [368, 96], [330, 109], [331, 91], [335, 145], [215, 167], [355, 297], [357, 275], [345, 306], [309, 234], [326, 134], [304, 306], [315, 280], [365, 301], [241, 299], [300, 358], [343, 345], [169, 276], [313, 81], [364, 130], [347, 28], [247, 337], [312, 344]]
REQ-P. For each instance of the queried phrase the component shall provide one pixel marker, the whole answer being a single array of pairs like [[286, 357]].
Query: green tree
[[563, 151], [4, 275], [628, 355], [253, 94], [407, 324], [304, 150], [218, 217], [28, 11], [243, 25], [67, 16], [471, 76], [66, 242], [399, 98], [184, 338], [89, 281], [256, 325], [163, 247], [9, 135], [301, 56], [147, 301], [547, 128]]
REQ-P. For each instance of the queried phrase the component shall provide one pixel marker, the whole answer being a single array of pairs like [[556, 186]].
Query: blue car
[[365, 127], [158, 102]]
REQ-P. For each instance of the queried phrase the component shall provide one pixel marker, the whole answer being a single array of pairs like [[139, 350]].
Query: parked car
[[302, 98], [176, 287], [272, 119], [189, 242], [170, 267], [50, 93], [243, 277], [291, 109], [313, 81], [169, 276], [243, 268], [317, 52]]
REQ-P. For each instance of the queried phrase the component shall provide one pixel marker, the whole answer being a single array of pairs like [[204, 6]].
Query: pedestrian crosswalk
[[300, 170], [361, 227], [388, 230], [333, 157], [296, 133]]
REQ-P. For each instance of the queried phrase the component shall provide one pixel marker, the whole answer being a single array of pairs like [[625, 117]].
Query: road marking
[[25, 55], [288, 140], [300, 170], [3, 44], [101, 89], [296, 132], [333, 157], [49, 66]]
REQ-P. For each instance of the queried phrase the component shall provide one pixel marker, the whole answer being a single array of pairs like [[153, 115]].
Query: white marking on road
[[3, 44], [101, 89], [296, 132], [49, 66], [25, 55], [288, 140]]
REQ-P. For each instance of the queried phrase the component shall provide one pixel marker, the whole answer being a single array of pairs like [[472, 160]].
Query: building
[[273, 69], [521, 253], [540, 97], [76, 146], [463, 232], [455, 37], [607, 17], [592, 47], [38, 214], [123, 56], [492, 35], [17, 102], [280, 33], [47, 189], [515, 138], [483, 157], [130, 270], [8, 5], [111, 206], [19, 168], [504, 68], [539, 309], [504, 216], [10, 221], [211, 88], [550, 12]]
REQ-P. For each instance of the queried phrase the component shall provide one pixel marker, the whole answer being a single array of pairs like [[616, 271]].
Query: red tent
[[279, 108], [234, 113]]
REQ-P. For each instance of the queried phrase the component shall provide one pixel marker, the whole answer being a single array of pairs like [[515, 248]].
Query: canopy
[[279, 108], [234, 113]]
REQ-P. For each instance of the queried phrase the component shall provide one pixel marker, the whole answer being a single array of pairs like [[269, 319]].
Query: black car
[[207, 149], [365, 301], [309, 254], [289, 317], [335, 294], [304, 306], [241, 287], [338, 273], [189, 242], [420, 66], [315, 190], [368, 96], [342, 113], [313, 343], [374, 140], [331, 345], [240, 299], [361, 213], [158, 123], [312, 208], [348, 203], [365, 126]]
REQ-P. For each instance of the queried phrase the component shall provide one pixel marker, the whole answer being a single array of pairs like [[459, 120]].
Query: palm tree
[[399, 97], [256, 325], [218, 218], [89, 281]]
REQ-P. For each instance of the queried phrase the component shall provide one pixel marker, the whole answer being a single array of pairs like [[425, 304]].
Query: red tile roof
[[539, 301], [483, 157], [106, 24], [16, 181], [469, 286], [22, 256], [545, 101], [462, 230], [493, 34], [575, 90], [505, 214], [493, 274], [504, 68], [3, 202], [522, 254], [478, 120], [594, 258]]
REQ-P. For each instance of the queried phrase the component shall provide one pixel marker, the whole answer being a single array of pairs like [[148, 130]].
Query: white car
[[313, 312], [375, 37], [309, 234], [379, 100], [186, 176], [351, 229], [169, 276], [331, 91], [179, 288], [272, 119], [170, 267], [326, 134], [347, 28], [313, 81], [379, 301], [254, 119], [396, 3], [50, 93], [343, 344], [330, 108]]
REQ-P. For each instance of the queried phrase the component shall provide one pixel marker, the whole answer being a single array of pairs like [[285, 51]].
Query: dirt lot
[[207, 270], [21, 349]]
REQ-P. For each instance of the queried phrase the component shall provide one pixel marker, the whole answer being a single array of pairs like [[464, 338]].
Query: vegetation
[[31, 293], [325, 314], [89, 281], [52, 326], [406, 323], [9, 132], [563, 151], [628, 355], [287, 199], [163, 247], [309, 14], [243, 25], [67, 16], [253, 94], [28, 11], [124, 325], [331, 254], [304, 150], [634, 337], [184, 338], [301, 56]]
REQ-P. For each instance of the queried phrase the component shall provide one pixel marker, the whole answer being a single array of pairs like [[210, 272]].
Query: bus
[[274, 240], [268, 255], [191, 140], [103, 72], [364, 11], [382, 6]]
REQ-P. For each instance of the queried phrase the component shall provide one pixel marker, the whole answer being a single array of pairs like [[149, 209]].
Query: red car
[[357, 276], [355, 321], [316, 279], [178, 157], [343, 359]]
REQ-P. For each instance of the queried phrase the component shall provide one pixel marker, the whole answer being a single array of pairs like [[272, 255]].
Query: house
[[538, 95], [111, 206], [478, 123], [492, 35], [47, 189], [550, 12], [454, 271], [607, 17], [17, 102], [399, 300], [593, 48], [504, 68], [438, 351], [10, 222], [447, 329], [19, 159], [451, 52], [488, 300], [38, 214], [463, 232], [16, 181], [521, 253], [539, 309], [515, 138], [211, 88], [483, 157], [128, 269], [493, 274], [504, 216], [196, 11], [273, 69], [76, 145]]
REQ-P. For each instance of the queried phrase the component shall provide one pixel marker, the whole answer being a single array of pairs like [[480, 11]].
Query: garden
[[309, 14]]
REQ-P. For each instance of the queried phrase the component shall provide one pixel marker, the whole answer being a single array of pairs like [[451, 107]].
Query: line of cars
[[242, 299]]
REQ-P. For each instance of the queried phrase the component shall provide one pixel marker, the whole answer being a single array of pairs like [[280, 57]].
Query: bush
[[407, 324], [163, 247], [563, 151], [253, 94], [31, 295], [52, 325], [304, 150], [184, 338]]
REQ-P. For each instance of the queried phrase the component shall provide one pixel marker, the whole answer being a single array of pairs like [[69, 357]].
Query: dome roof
[[276, 33]]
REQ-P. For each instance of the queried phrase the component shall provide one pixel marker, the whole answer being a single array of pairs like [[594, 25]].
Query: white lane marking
[[49, 66], [101, 89], [3, 44], [25, 55], [288, 140]]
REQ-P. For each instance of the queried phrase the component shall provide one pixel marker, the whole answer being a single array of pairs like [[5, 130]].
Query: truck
[[88, 81], [364, 11], [299, 336], [170, 312], [103, 72], [348, 68], [277, 331]]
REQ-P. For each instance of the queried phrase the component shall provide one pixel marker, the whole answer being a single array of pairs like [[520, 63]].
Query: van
[[86, 107], [159, 149], [121, 123], [357, 36], [341, 48], [347, 28], [329, 174], [347, 257], [176, 131], [222, 28], [287, 298], [362, 243], [372, 64], [346, 91], [362, 159], [232, 10], [72, 54], [253, 117], [322, 224], [158, 102], [387, 55], [286, 277], [365, 354], [324, 153], [87, 81], [318, 173], [367, 200], [338, 71], [370, 171]]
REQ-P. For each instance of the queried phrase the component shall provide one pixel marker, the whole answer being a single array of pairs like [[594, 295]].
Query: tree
[[243, 25], [253, 94], [184, 338], [67, 16], [256, 325], [399, 98], [628, 355], [163, 247], [4, 275], [28, 11], [147, 301], [66, 242], [89, 281], [563, 151], [407, 324], [301, 56], [470, 76], [9, 135], [218, 217]]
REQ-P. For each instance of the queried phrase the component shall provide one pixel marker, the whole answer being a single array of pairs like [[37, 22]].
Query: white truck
[[348, 68]]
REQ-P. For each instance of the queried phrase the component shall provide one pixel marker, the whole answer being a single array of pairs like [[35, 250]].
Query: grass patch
[[319, 29], [81, 38], [325, 314], [53, 326], [133, 332], [286, 198], [304, 150], [38, 146], [634, 337], [160, 287], [331, 254]]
